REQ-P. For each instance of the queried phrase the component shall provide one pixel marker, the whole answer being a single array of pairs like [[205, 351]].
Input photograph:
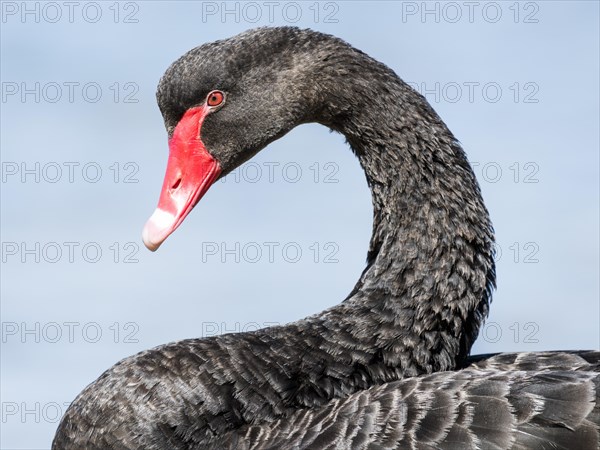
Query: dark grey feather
[[500, 406]]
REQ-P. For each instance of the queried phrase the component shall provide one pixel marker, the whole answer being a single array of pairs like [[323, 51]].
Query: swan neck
[[430, 266]]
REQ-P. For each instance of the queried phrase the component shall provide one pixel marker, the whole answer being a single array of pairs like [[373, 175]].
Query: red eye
[[215, 98]]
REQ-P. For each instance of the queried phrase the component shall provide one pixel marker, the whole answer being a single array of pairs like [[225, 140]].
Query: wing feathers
[[501, 402]]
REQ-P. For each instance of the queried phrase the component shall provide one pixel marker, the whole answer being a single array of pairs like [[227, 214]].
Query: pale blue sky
[[519, 89]]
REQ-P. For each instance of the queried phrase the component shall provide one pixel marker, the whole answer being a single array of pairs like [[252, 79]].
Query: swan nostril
[[176, 184]]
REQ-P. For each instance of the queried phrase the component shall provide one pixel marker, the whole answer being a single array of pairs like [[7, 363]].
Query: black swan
[[380, 369]]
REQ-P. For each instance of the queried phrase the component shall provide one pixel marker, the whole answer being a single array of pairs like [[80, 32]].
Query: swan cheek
[[191, 170]]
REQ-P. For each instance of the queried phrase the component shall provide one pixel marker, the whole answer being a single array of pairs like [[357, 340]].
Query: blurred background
[[84, 150]]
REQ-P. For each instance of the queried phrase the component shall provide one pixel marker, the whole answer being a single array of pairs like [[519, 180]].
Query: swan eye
[[215, 98]]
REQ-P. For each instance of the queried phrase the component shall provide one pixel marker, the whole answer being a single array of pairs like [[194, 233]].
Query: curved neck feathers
[[430, 270]]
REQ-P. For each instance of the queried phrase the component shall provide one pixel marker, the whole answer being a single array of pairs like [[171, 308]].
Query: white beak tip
[[156, 230]]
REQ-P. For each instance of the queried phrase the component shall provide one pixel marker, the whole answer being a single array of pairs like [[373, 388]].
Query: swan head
[[225, 101]]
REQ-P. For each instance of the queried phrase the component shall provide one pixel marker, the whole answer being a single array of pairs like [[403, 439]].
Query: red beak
[[191, 170]]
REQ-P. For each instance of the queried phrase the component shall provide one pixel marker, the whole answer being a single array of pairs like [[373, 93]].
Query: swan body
[[495, 403], [379, 370]]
